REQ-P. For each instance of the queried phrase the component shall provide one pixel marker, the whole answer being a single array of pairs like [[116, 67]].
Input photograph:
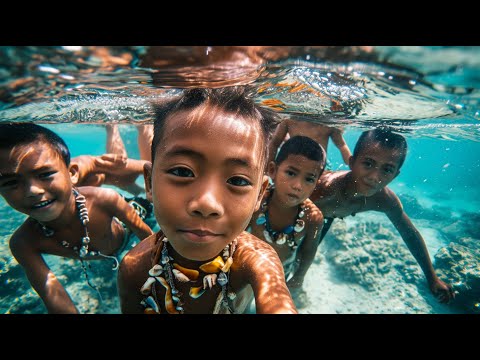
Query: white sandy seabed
[[357, 271]]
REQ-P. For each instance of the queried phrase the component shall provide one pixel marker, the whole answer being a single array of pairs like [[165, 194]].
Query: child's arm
[[125, 213], [43, 281], [340, 143], [279, 135], [262, 269], [415, 243], [88, 173], [132, 274], [308, 247]]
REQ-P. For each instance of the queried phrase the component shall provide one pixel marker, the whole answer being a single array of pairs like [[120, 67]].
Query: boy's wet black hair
[[12, 134], [235, 100], [386, 138], [304, 146]]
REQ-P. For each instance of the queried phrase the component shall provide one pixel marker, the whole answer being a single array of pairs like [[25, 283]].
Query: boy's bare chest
[[334, 207], [105, 237]]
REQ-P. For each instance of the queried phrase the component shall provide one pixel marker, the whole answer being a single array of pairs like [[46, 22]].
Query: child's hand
[[444, 292], [111, 162]]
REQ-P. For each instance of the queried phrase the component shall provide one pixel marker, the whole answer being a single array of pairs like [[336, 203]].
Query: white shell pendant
[[282, 239], [155, 270], [299, 226], [267, 236]]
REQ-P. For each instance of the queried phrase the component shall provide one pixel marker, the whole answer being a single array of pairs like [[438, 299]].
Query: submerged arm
[[262, 269], [42, 279], [127, 214], [340, 143], [308, 247], [279, 135], [415, 243]]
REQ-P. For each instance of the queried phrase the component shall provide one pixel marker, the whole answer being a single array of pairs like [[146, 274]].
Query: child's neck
[[350, 188], [185, 262], [280, 207]]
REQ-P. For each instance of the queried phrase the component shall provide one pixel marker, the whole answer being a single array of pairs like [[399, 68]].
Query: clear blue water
[[430, 94]]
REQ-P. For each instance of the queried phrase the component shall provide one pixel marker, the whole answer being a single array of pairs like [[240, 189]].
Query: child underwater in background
[[206, 180], [37, 179], [377, 158], [287, 219]]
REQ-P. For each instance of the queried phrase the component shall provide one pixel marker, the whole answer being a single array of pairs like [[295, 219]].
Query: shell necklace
[[217, 273], [287, 234], [83, 252]]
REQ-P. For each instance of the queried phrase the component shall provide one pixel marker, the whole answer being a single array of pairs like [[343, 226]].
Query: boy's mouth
[[42, 204], [293, 197], [198, 235]]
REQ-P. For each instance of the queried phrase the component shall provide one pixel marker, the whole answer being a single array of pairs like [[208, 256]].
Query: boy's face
[[207, 180], [295, 178], [374, 168], [35, 181]]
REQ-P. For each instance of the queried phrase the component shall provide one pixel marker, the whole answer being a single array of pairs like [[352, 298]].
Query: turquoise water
[[433, 102]]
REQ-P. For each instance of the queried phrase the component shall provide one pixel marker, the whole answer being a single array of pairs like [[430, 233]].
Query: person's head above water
[[208, 152], [15, 134]]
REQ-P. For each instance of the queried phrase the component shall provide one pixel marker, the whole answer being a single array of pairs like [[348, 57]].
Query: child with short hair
[[377, 158], [85, 223], [287, 219], [206, 180]]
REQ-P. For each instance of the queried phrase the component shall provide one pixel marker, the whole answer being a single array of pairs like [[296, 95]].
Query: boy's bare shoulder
[[387, 201], [247, 242], [313, 215], [25, 237], [328, 184], [100, 195], [139, 257]]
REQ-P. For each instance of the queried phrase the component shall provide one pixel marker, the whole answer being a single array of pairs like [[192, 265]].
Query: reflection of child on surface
[[37, 179], [376, 161], [287, 219], [209, 152], [317, 132]]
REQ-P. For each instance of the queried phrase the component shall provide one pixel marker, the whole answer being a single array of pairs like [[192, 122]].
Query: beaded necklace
[[287, 234], [217, 273], [83, 252]]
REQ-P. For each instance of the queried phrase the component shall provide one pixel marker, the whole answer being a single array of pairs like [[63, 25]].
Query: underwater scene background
[[429, 94]]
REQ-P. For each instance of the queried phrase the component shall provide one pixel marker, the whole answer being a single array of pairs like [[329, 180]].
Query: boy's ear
[[262, 192], [271, 169], [147, 174], [74, 172], [351, 160]]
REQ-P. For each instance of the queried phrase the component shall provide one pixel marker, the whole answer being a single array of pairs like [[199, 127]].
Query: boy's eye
[[388, 170], [367, 164], [181, 172], [46, 174], [290, 173], [238, 181], [310, 180]]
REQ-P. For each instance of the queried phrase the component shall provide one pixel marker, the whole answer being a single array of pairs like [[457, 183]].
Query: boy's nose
[[296, 185], [33, 189], [206, 204], [374, 176]]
